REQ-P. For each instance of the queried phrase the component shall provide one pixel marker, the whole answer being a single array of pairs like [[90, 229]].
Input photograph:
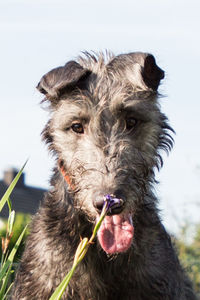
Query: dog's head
[[107, 132]]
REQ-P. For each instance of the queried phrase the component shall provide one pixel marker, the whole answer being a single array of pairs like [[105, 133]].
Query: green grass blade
[[12, 255], [6, 196], [10, 224], [5, 282], [79, 255], [9, 205], [8, 290], [61, 288]]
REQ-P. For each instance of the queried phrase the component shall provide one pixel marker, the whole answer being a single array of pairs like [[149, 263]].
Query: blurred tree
[[189, 253]]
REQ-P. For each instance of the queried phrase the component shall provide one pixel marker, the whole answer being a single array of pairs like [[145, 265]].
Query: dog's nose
[[99, 201]]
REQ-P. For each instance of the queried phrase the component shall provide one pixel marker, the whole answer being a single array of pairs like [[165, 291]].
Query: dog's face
[[106, 130]]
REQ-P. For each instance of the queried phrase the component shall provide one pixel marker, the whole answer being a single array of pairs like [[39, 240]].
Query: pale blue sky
[[36, 36]]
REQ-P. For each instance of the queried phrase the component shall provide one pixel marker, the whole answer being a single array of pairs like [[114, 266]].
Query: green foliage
[[189, 253], [21, 220], [8, 250]]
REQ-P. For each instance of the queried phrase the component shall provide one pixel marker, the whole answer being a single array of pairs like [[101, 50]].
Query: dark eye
[[131, 123], [77, 127]]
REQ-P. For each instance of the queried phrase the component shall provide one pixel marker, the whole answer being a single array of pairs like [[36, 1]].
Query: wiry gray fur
[[103, 93]]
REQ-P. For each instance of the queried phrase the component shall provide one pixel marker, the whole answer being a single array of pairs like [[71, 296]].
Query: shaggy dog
[[107, 133]]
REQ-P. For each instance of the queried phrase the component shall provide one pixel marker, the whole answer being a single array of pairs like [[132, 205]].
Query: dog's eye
[[130, 123], [77, 127]]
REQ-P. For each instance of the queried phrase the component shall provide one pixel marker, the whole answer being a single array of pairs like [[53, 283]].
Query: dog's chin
[[116, 233]]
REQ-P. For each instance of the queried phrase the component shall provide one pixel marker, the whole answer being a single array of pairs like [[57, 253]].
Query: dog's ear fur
[[57, 81], [139, 68], [151, 73]]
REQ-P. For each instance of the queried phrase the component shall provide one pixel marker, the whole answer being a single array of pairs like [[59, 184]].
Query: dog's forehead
[[112, 106], [116, 78], [112, 83], [120, 74]]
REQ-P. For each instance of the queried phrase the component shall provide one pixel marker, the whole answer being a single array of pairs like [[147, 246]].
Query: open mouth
[[116, 233]]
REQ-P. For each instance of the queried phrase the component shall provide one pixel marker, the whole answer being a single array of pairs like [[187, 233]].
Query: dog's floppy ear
[[57, 81], [139, 68], [151, 73]]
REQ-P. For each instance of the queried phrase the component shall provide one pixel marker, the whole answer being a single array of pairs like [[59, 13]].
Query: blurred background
[[39, 35]]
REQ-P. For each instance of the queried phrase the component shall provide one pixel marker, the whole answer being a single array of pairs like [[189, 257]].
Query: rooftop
[[25, 199]]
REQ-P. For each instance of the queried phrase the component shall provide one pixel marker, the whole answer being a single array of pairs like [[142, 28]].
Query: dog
[[107, 133]]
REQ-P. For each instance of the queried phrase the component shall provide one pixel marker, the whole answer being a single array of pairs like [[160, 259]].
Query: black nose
[[99, 201]]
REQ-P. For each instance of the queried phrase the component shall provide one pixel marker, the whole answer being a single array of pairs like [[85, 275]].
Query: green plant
[[189, 253], [7, 257], [109, 202], [20, 222]]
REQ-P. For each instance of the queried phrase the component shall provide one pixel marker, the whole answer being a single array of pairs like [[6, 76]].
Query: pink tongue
[[115, 234]]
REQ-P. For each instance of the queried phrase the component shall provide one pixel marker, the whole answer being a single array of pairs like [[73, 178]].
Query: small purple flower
[[112, 202]]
